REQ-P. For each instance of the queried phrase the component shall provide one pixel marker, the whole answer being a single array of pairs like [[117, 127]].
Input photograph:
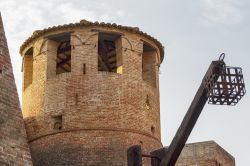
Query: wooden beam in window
[[103, 65], [64, 61], [104, 53], [63, 50]]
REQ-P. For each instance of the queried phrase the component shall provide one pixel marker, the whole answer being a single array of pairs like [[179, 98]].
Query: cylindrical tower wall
[[75, 112]]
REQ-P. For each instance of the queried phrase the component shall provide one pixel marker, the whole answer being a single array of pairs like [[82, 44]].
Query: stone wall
[[14, 148]]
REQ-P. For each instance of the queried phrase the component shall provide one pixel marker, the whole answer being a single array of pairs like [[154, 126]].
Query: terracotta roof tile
[[83, 22]]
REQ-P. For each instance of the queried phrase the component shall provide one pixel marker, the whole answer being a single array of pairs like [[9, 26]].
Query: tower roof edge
[[84, 22]]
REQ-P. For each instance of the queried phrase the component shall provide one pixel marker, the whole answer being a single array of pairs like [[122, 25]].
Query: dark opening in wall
[[152, 129], [109, 52], [57, 122], [147, 102], [63, 54], [28, 67], [148, 64]]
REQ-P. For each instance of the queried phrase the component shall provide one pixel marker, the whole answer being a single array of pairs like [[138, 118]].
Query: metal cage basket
[[229, 88]]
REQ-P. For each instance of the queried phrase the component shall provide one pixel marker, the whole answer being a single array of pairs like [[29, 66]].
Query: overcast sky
[[194, 32]]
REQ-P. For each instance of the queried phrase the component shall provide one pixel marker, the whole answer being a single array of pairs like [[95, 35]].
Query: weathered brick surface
[[88, 147], [14, 148], [206, 153], [103, 113]]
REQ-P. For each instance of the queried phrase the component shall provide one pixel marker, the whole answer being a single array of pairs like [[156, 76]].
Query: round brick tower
[[90, 91]]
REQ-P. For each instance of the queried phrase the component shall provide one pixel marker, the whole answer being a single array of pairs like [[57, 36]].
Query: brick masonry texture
[[206, 153], [103, 113], [14, 148]]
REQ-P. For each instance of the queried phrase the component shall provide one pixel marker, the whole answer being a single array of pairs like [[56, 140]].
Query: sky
[[193, 32]]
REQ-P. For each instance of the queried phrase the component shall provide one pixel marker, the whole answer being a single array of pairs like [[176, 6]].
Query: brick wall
[[14, 148], [101, 113], [206, 153]]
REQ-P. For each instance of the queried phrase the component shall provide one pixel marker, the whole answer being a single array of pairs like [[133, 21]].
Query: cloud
[[22, 18], [223, 11], [38, 15]]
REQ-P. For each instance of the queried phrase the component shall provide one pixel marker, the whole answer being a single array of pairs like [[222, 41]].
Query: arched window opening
[[62, 49], [148, 64], [109, 52], [28, 67], [63, 59]]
